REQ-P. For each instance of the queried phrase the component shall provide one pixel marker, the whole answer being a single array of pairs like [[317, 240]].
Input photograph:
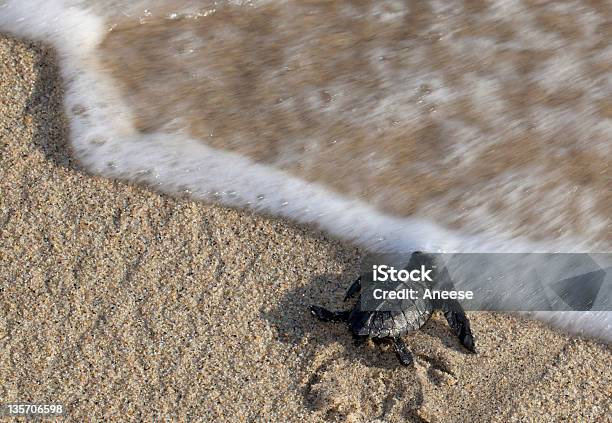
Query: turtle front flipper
[[353, 289], [459, 323], [326, 315], [403, 353]]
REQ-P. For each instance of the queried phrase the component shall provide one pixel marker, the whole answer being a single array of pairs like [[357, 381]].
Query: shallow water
[[447, 126], [458, 114]]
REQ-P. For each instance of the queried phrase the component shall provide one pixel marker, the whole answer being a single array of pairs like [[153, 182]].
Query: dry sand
[[125, 304]]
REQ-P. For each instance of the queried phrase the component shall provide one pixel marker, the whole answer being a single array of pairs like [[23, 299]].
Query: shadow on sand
[[46, 99], [293, 321]]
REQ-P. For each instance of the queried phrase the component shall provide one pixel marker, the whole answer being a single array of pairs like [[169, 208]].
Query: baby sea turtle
[[410, 317]]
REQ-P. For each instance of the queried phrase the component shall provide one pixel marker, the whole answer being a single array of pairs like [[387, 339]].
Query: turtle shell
[[381, 324]]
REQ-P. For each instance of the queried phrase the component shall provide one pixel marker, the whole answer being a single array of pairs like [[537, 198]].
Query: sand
[[124, 304]]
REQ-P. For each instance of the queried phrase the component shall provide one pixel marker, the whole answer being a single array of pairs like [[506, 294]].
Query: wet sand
[[125, 304]]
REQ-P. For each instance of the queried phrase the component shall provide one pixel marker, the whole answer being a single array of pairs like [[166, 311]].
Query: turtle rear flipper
[[403, 353]]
